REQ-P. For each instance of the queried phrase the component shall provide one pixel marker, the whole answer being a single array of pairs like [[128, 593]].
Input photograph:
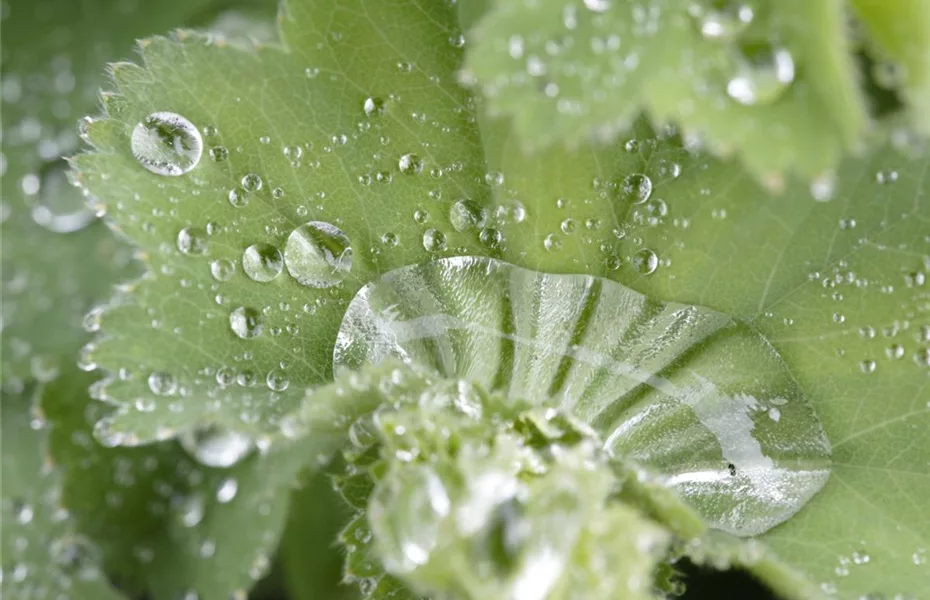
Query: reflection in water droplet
[[60, 206], [166, 143], [215, 446], [246, 322], [318, 254], [262, 262], [162, 383], [763, 75]]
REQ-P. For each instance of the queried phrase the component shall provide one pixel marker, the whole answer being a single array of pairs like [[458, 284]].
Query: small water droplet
[[162, 383], [251, 182], [410, 164], [867, 366], [222, 269], [389, 239], [219, 153], [645, 261], [192, 241], [318, 254], [216, 446], [166, 143], [763, 74], [262, 262], [246, 322], [552, 243], [373, 106], [238, 197], [725, 22], [276, 381], [467, 214], [434, 240], [227, 490], [191, 510]]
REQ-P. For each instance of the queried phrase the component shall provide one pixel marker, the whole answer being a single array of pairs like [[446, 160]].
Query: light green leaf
[[900, 32], [43, 556], [773, 82], [166, 523], [378, 145]]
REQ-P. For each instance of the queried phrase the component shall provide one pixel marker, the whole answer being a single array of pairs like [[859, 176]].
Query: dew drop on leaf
[[645, 261], [246, 322], [222, 269], [162, 383], [410, 164], [467, 214], [252, 182], [215, 446], [636, 188], [227, 490], [434, 240], [318, 254], [166, 143], [192, 241], [262, 262], [373, 106], [683, 390], [763, 74]]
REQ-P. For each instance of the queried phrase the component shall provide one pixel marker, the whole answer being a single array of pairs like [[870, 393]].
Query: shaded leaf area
[[772, 82], [53, 54], [165, 522], [43, 555], [899, 33], [376, 145]]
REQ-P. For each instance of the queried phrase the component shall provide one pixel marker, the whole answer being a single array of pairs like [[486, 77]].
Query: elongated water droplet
[[318, 254], [215, 446], [262, 262], [763, 74], [246, 322], [166, 143]]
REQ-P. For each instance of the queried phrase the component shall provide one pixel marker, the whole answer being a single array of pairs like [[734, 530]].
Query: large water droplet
[[262, 262], [166, 143], [60, 206], [764, 73], [215, 446], [246, 322], [318, 254]]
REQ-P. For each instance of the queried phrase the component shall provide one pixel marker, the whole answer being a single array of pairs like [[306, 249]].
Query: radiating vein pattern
[[688, 392]]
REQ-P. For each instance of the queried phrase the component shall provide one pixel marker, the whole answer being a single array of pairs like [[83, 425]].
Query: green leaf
[[171, 525], [900, 32], [344, 167], [774, 83], [43, 556]]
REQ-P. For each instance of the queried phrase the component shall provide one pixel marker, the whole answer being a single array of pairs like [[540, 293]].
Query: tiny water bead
[[162, 383], [166, 143], [318, 254], [645, 261], [192, 241], [467, 214], [262, 262], [410, 164], [246, 322], [763, 75], [636, 188], [434, 240], [215, 446], [700, 400]]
